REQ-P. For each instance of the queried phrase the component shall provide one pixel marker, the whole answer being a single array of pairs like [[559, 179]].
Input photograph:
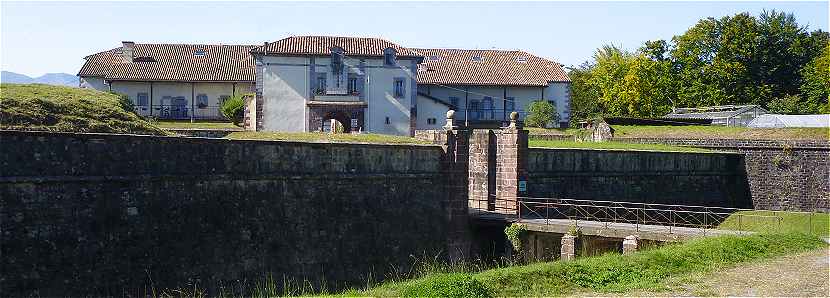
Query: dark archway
[[339, 116]]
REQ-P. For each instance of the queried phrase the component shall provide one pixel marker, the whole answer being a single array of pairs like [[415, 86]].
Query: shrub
[[515, 232], [540, 114], [234, 109]]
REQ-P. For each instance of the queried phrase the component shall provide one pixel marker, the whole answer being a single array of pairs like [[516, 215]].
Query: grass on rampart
[[324, 137], [611, 146], [778, 221], [66, 109], [648, 269]]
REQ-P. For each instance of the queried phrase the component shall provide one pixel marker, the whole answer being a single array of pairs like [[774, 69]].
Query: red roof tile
[[494, 68], [321, 45]]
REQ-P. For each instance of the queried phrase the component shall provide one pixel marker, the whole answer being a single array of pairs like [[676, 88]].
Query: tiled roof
[[494, 68], [174, 62], [321, 45]]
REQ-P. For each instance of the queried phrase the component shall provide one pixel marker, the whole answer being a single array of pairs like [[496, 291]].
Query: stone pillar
[[511, 166], [456, 159], [630, 244], [482, 178], [569, 247]]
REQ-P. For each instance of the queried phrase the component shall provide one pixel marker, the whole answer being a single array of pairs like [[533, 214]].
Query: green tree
[[584, 98], [816, 86], [541, 113], [234, 109]]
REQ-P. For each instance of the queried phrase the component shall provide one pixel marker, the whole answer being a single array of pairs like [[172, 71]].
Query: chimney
[[127, 50]]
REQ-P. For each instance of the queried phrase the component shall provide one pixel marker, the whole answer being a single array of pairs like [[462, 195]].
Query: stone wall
[[782, 175], [708, 179], [203, 133], [94, 214]]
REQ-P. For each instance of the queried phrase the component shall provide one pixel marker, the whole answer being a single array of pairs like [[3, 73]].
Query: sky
[[46, 37]]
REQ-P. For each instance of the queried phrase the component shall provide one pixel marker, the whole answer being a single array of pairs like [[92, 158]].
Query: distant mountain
[[62, 79]]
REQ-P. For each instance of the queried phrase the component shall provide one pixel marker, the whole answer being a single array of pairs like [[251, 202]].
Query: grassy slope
[[57, 108], [704, 132], [325, 137], [611, 145], [767, 221], [648, 269]]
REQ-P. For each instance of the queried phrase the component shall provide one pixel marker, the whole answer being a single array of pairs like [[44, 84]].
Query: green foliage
[[769, 60], [446, 285], [541, 113], [648, 269], [515, 232], [57, 108], [234, 109]]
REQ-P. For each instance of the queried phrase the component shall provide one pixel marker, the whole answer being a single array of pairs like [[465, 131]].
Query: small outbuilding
[[780, 121]]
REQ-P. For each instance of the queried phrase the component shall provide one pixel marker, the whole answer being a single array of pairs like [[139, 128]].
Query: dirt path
[[805, 274], [801, 275]]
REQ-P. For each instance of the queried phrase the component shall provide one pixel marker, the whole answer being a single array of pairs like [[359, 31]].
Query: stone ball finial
[[514, 116], [450, 114]]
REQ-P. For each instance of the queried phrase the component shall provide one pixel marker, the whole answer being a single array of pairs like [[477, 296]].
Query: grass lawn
[[66, 109], [186, 124], [611, 146], [703, 132], [325, 137], [720, 132], [611, 273], [753, 221]]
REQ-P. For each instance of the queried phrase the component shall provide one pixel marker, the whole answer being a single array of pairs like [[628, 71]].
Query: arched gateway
[[350, 116]]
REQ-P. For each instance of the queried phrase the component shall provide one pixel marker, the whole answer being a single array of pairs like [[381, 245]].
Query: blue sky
[[54, 37]]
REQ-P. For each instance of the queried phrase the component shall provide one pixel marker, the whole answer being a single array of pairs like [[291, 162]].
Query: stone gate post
[[456, 161], [511, 166]]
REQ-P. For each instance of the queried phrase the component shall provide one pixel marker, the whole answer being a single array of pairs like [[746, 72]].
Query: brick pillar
[[456, 160], [511, 166], [482, 167], [569, 247], [630, 244]]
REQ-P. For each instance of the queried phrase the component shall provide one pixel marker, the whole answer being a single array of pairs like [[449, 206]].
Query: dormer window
[[199, 53], [389, 57], [433, 58], [521, 59], [476, 59]]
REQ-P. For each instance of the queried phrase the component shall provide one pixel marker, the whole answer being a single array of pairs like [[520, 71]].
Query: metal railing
[[492, 114], [668, 216]]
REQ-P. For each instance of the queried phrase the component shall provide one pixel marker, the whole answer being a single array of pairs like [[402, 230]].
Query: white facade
[[293, 99], [173, 100]]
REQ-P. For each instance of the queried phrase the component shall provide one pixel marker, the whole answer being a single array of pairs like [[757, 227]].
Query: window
[[352, 85], [487, 107], [510, 104], [454, 101], [202, 101], [387, 121], [521, 59], [474, 111], [433, 58], [142, 99], [477, 58], [399, 88], [224, 98], [199, 53], [431, 121], [389, 57], [321, 83]]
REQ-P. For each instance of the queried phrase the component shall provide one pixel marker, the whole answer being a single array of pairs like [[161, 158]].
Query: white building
[[303, 83], [172, 81]]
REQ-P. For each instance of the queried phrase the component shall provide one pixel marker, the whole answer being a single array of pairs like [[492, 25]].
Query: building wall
[[429, 109], [288, 83], [122, 214], [174, 89], [561, 93], [93, 83]]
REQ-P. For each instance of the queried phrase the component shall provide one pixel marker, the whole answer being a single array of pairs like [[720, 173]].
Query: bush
[[234, 109], [540, 114]]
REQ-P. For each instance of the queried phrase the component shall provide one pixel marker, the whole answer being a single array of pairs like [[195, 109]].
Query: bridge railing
[[637, 214]]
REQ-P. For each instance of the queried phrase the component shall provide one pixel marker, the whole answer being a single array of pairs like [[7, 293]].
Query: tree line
[[769, 60]]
